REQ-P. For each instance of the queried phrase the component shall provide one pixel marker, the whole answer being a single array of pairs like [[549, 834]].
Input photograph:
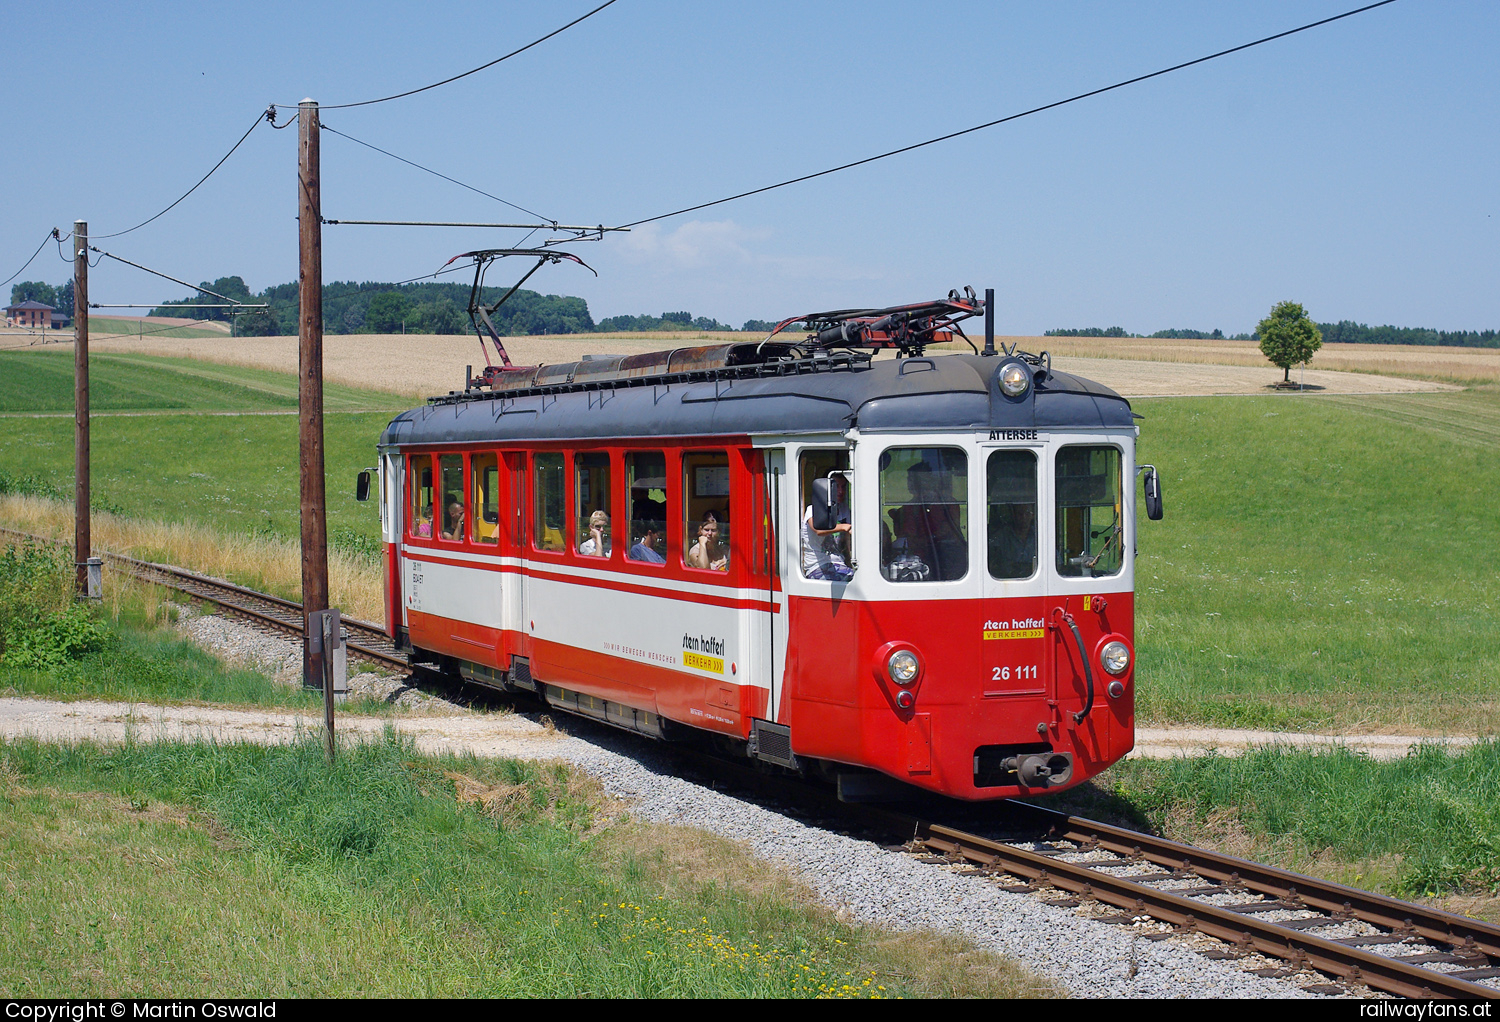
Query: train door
[[774, 634], [515, 623], [1012, 569]]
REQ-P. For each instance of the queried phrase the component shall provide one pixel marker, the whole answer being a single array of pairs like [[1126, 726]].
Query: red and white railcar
[[920, 566]]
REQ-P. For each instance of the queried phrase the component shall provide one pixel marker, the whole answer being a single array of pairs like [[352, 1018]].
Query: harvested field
[[419, 365]]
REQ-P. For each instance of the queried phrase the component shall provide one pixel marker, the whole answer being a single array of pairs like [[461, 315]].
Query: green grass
[[1427, 824], [1322, 563], [198, 870], [42, 381]]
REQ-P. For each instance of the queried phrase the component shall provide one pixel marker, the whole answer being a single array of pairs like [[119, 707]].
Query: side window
[[1089, 523], [451, 469], [924, 514], [646, 489], [826, 524], [1010, 483], [484, 473], [592, 509], [420, 519], [705, 489], [547, 512]]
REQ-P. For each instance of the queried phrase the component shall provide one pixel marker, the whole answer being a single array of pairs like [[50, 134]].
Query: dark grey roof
[[943, 392], [29, 304]]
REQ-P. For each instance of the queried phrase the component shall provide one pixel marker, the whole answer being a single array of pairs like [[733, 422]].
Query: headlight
[[1014, 379], [1115, 657], [903, 667]]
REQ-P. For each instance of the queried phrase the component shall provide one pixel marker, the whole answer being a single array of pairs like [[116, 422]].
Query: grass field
[[42, 381], [173, 870], [1322, 563]]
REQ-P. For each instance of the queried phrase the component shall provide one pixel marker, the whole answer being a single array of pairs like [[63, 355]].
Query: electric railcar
[[920, 567]]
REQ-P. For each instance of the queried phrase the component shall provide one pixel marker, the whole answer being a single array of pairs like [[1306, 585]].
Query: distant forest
[[430, 308], [1343, 332]]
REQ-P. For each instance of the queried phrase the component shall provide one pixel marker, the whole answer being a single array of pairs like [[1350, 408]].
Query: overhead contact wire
[[429, 170], [1014, 117], [481, 67], [264, 115], [50, 235]]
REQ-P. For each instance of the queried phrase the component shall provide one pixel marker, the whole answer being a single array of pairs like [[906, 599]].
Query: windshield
[[1089, 539]]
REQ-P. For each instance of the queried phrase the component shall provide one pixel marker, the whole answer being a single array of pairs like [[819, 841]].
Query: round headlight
[[1014, 379], [903, 667], [1115, 656]]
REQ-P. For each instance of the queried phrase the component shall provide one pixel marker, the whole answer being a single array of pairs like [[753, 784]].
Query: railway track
[[1354, 938], [366, 640]]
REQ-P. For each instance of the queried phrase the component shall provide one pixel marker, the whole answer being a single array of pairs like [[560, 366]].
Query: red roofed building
[[29, 313]]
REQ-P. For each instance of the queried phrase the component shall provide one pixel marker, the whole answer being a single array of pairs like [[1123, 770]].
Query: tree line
[[1343, 332], [424, 308], [60, 297]]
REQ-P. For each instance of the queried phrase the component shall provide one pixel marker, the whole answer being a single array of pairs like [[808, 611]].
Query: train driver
[[822, 555]]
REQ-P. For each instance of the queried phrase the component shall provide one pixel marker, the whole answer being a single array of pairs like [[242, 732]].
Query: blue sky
[[1352, 168]]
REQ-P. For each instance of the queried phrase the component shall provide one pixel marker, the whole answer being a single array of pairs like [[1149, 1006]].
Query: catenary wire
[[264, 115], [50, 235], [435, 173], [481, 67], [1017, 116]]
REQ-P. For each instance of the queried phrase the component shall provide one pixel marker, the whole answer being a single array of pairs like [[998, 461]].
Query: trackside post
[[310, 388]]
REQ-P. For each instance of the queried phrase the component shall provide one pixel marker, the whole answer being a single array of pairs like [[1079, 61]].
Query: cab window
[[1089, 524], [706, 512], [547, 512], [484, 473], [826, 524], [924, 514], [1010, 514]]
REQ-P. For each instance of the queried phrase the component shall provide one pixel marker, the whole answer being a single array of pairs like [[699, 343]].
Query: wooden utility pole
[[310, 389], [82, 541]]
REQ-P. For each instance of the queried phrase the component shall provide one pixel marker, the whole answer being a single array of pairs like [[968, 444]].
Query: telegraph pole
[[310, 390], [82, 541]]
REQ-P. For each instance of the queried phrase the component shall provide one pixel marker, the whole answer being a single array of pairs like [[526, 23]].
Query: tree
[[387, 313], [1288, 337], [33, 291]]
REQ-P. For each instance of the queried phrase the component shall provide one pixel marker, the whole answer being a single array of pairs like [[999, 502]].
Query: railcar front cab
[[987, 581]]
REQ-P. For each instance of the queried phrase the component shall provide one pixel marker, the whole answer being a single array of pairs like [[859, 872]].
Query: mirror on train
[[362, 486], [1152, 483]]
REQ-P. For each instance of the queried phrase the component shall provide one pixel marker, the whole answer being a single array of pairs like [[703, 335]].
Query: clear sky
[[1352, 168]]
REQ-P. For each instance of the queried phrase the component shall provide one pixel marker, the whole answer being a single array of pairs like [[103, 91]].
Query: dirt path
[[520, 736]]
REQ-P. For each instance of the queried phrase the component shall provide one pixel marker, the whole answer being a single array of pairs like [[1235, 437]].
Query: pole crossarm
[[166, 276]]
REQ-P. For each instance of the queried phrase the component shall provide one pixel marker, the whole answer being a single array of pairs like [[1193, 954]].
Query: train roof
[[926, 393]]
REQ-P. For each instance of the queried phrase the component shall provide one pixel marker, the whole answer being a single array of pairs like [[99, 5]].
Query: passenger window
[[451, 467], [547, 512], [1011, 484], [826, 523], [924, 514], [646, 486], [1089, 524], [705, 487], [484, 471], [420, 523], [591, 504]]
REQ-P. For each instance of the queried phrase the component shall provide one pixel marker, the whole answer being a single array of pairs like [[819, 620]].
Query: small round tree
[[1288, 337]]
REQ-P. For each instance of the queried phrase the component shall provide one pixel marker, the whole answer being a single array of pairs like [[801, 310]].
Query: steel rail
[[1237, 928]]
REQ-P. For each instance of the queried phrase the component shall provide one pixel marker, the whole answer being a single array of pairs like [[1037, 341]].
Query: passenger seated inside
[[825, 527], [454, 527], [647, 548], [1013, 543], [707, 552], [424, 523], [597, 544]]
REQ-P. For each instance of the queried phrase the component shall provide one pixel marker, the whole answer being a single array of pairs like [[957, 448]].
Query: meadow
[[202, 870], [1323, 563]]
